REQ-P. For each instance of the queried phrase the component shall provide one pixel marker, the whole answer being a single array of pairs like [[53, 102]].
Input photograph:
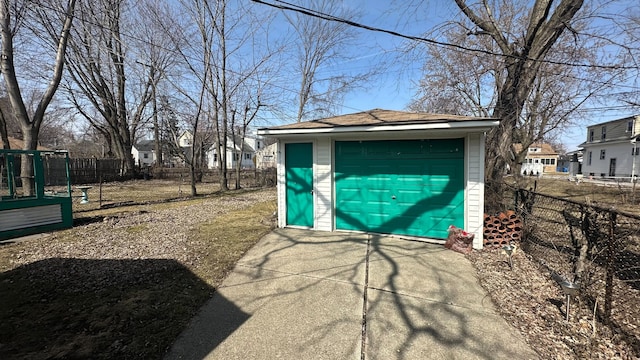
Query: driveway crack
[[364, 301]]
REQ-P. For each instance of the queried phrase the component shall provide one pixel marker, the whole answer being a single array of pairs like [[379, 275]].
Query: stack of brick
[[502, 228]]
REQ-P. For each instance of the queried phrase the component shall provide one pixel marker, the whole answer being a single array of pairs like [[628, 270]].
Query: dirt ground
[[125, 281], [152, 255], [533, 303]]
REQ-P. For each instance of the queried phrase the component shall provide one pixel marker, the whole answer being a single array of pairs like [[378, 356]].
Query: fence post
[[610, 268]]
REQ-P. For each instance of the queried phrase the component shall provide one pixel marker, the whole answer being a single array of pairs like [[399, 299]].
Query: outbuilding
[[381, 171]]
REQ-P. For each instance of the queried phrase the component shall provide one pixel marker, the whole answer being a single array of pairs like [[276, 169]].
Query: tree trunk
[[4, 135], [30, 142], [192, 178], [545, 26], [222, 149]]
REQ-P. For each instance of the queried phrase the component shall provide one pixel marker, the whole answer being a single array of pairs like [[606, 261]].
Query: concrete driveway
[[300, 294]]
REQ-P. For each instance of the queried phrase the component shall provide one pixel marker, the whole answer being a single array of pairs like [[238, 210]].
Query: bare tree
[[630, 94], [321, 44], [469, 83], [239, 130], [9, 125], [4, 134], [523, 50], [14, 16], [458, 82], [156, 52], [108, 76], [221, 53]]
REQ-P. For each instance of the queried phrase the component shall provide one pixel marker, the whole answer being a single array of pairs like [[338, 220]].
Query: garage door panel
[[413, 187]]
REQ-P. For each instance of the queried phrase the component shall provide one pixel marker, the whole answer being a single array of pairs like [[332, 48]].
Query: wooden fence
[[93, 170], [265, 177]]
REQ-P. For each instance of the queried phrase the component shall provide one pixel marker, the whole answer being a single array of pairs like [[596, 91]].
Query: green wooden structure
[[48, 206]]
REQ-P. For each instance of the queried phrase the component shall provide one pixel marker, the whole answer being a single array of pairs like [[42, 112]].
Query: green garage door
[[298, 163], [409, 187]]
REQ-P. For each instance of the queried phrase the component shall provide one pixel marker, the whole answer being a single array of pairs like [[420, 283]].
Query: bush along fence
[[596, 248]]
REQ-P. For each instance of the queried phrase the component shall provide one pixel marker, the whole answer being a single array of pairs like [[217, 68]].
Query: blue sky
[[395, 88]]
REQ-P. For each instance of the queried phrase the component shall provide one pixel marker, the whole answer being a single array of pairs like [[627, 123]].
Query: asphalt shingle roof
[[377, 117]]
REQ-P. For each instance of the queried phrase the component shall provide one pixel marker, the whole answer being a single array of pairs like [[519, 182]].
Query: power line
[[320, 15], [310, 12], [125, 34]]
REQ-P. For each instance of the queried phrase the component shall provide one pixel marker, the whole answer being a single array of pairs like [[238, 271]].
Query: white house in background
[[540, 158], [611, 149], [246, 157], [143, 153], [255, 141], [185, 139], [575, 162], [266, 158]]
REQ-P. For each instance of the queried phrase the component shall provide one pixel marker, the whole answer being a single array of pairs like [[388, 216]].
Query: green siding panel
[[412, 187], [299, 179]]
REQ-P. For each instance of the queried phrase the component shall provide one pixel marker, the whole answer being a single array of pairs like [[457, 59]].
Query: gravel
[[149, 233]]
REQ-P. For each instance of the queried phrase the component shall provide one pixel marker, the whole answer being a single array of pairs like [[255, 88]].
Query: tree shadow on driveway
[[345, 295]]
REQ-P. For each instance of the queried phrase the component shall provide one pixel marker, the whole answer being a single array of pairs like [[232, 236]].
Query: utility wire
[[125, 34], [317, 14], [283, 5]]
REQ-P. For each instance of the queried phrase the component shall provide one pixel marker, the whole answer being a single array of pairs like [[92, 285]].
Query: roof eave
[[476, 125]]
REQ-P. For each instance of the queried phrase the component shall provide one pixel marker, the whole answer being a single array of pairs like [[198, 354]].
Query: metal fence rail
[[598, 248]]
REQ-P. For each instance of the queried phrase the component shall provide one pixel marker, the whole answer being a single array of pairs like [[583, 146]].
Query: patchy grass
[[138, 192], [63, 307], [612, 195], [137, 228], [227, 238]]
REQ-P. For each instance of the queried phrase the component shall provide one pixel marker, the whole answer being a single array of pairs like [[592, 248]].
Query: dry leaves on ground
[[533, 303]]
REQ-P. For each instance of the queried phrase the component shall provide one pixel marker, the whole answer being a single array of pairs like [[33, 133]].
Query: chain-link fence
[[594, 247]]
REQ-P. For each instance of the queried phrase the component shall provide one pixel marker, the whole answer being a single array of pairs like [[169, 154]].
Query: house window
[[591, 135], [247, 156], [215, 158], [604, 133], [602, 154], [236, 156], [589, 158], [536, 161], [553, 161], [630, 126], [145, 155]]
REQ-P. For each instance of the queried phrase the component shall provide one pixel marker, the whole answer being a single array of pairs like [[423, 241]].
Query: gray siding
[[615, 130]]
